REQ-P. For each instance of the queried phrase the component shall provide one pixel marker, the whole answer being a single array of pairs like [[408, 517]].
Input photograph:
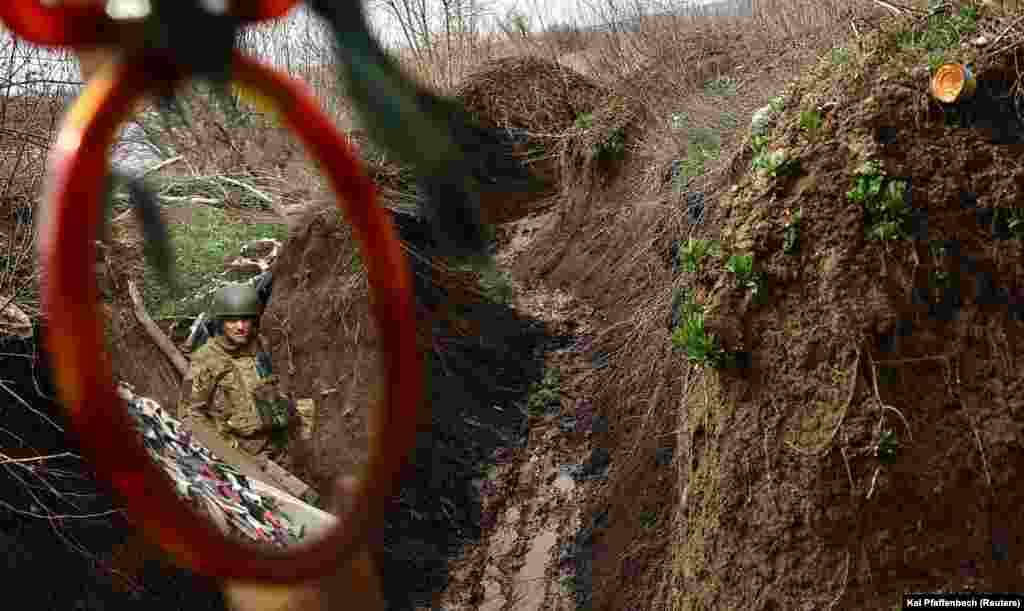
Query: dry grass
[[29, 110]]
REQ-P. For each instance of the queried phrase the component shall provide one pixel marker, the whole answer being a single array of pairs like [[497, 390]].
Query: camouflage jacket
[[233, 391]]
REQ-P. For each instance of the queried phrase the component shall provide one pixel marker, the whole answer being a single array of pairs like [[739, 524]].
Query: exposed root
[[906, 425], [882, 406], [874, 480], [849, 473], [846, 578], [984, 459], [921, 359], [981, 446]]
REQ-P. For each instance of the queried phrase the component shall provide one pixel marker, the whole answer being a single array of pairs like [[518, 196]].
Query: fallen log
[[159, 338]]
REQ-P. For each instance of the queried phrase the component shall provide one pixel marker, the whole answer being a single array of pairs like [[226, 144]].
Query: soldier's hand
[[356, 585]]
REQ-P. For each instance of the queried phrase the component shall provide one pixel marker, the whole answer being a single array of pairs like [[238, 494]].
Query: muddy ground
[[529, 557]]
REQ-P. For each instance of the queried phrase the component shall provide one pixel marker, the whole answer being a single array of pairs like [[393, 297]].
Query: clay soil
[[780, 495]]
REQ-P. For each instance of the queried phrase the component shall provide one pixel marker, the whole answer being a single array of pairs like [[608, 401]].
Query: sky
[[542, 13], [539, 11], [549, 12]]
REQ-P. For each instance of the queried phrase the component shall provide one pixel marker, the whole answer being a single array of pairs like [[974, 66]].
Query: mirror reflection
[[249, 387]]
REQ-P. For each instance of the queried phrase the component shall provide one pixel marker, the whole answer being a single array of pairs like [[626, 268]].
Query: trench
[[488, 512], [528, 556]]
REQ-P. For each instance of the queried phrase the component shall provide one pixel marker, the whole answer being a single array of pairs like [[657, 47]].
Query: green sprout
[[811, 121], [743, 267], [699, 345], [868, 183], [776, 163], [694, 251], [1016, 222], [728, 120], [884, 200], [885, 451], [942, 31], [613, 146], [544, 394], [691, 335]]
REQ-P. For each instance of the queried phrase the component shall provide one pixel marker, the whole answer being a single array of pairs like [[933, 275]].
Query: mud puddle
[[531, 518], [531, 504]]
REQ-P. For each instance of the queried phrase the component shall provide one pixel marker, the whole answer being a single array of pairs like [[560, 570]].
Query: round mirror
[[279, 359]]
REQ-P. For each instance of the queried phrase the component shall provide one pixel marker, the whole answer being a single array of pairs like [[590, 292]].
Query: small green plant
[[840, 55], [884, 200], [743, 268], [648, 519], [868, 183], [741, 265], [704, 146], [891, 212], [775, 163], [939, 278], [1016, 222], [791, 232], [613, 146], [935, 60], [777, 103], [887, 446], [692, 166], [942, 31], [694, 251], [723, 86], [811, 121], [759, 144], [704, 138], [544, 394], [728, 120], [699, 345]]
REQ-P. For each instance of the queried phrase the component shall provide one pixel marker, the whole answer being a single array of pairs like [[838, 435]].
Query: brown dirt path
[[524, 560]]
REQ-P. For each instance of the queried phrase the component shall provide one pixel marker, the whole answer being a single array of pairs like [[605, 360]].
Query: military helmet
[[237, 301]]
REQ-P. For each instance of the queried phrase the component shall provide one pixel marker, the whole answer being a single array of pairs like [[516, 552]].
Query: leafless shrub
[[441, 41]]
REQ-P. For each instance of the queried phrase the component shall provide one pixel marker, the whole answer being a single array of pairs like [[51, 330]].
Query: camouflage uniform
[[232, 390]]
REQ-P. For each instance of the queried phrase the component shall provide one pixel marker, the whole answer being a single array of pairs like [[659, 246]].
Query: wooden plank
[[270, 472], [291, 484]]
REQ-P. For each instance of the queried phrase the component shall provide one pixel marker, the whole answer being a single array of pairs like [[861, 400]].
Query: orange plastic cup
[[953, 83]]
